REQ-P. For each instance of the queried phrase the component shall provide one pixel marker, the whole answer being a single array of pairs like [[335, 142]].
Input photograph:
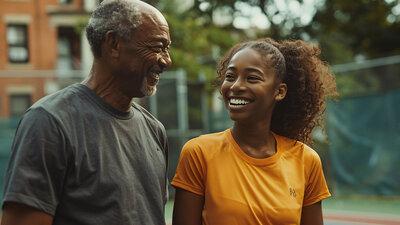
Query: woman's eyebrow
[[231, 68], [254, 70], [249, 69]]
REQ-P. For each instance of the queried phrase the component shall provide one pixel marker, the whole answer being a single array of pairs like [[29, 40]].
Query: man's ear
[[280, 92], [112, 44]]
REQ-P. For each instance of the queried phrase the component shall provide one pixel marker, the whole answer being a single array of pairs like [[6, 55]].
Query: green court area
[[168, 210], [363, 204]]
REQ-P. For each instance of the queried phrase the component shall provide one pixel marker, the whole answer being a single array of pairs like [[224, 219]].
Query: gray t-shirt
[[84, 162]]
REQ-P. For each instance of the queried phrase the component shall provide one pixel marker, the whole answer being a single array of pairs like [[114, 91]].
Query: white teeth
[[156, 75], [236, 101]]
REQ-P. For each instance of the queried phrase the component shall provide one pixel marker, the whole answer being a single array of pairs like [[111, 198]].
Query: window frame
[[24, 96], [24, 45]]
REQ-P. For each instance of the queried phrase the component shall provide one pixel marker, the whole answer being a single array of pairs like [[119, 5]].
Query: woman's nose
[[238, 85]]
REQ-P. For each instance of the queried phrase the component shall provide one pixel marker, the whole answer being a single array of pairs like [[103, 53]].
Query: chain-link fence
[[364, 128]]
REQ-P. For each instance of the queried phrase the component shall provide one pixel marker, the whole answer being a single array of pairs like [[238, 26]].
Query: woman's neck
[[255, 140]]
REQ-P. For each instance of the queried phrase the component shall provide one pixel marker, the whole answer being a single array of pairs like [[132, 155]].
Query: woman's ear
[[280, 92]]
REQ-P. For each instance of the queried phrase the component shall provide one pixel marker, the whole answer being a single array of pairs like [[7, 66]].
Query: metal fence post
[[182, 104], [153, 105]]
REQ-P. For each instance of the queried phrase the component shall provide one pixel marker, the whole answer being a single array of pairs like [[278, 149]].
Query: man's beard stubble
[[145, 90]]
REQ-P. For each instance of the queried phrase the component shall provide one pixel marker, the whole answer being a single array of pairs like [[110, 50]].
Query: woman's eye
[[253, 78], [228, 76]]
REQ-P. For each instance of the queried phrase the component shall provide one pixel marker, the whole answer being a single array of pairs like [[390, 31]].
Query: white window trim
[[20, 90], [17, 19]]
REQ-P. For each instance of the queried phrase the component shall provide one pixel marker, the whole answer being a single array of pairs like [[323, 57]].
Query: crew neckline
[[103, 104], [254, 161]]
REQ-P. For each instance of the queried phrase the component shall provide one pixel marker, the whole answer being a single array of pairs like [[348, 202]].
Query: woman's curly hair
[[308, 79]]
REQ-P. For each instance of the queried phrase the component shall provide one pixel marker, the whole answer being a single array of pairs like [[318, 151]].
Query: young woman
[[260, 171]]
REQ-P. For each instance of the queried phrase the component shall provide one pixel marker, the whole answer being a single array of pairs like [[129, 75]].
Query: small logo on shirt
[[292, 192]]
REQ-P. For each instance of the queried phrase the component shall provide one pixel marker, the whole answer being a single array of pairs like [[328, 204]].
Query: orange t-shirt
[[239, 189]]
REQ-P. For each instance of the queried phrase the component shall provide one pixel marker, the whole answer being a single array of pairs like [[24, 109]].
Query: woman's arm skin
[[312, 215], [187, 208], [20, 214]]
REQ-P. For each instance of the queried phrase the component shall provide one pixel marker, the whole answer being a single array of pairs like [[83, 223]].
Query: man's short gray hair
[[120, 16]]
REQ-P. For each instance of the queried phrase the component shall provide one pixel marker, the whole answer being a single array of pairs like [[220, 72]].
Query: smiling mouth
[[154, 78], [237, 102]]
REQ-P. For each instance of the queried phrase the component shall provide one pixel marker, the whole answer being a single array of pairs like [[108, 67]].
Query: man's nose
[[165, 60]]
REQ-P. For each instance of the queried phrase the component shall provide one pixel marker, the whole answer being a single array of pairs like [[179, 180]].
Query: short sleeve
[[190, 173], [316, 188], [38, 162], [166, 151]]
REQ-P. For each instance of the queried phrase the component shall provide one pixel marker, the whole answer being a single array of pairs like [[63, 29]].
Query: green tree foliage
[[196, 44], [367, 27], [344, 30]]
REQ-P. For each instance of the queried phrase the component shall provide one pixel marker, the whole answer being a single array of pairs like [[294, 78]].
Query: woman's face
[[249, 88]]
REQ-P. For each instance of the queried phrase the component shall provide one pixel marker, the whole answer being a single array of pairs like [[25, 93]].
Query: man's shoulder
[[146, 114], [60, 106], [60, 100], [151, 122]]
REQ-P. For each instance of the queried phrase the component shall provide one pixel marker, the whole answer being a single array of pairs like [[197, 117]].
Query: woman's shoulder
[[206, 142], [292, 146]]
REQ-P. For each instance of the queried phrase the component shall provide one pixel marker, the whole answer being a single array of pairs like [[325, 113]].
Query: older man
[[88, 154]]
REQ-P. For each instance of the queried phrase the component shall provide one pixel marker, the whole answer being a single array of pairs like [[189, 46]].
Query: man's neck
[[107, 87]]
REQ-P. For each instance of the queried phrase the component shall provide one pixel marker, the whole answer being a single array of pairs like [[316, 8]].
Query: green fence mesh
[[364, 136], [7, 130]]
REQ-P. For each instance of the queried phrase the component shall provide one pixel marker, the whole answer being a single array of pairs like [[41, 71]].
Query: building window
[[19, 103], [17, 40], [69, 49], [65, 2]]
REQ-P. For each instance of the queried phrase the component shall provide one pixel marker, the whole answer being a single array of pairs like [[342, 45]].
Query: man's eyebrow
[[164, 41]]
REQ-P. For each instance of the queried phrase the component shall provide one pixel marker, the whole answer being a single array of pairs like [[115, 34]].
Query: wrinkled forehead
[[154, 25], [153, 18], [152, 29], [142, 7]]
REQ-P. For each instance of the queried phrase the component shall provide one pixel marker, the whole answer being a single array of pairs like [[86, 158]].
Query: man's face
[[145, 57]]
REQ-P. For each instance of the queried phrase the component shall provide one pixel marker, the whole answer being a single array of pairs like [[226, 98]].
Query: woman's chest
[[249, 194]]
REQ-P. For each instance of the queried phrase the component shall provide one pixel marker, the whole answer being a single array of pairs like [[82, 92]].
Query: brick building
[[41, 49]]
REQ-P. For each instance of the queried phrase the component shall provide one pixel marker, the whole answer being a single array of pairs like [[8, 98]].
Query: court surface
[[358, 210]]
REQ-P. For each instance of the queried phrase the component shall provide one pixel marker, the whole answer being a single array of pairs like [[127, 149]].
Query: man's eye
[[157, 49], [160, 49]]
